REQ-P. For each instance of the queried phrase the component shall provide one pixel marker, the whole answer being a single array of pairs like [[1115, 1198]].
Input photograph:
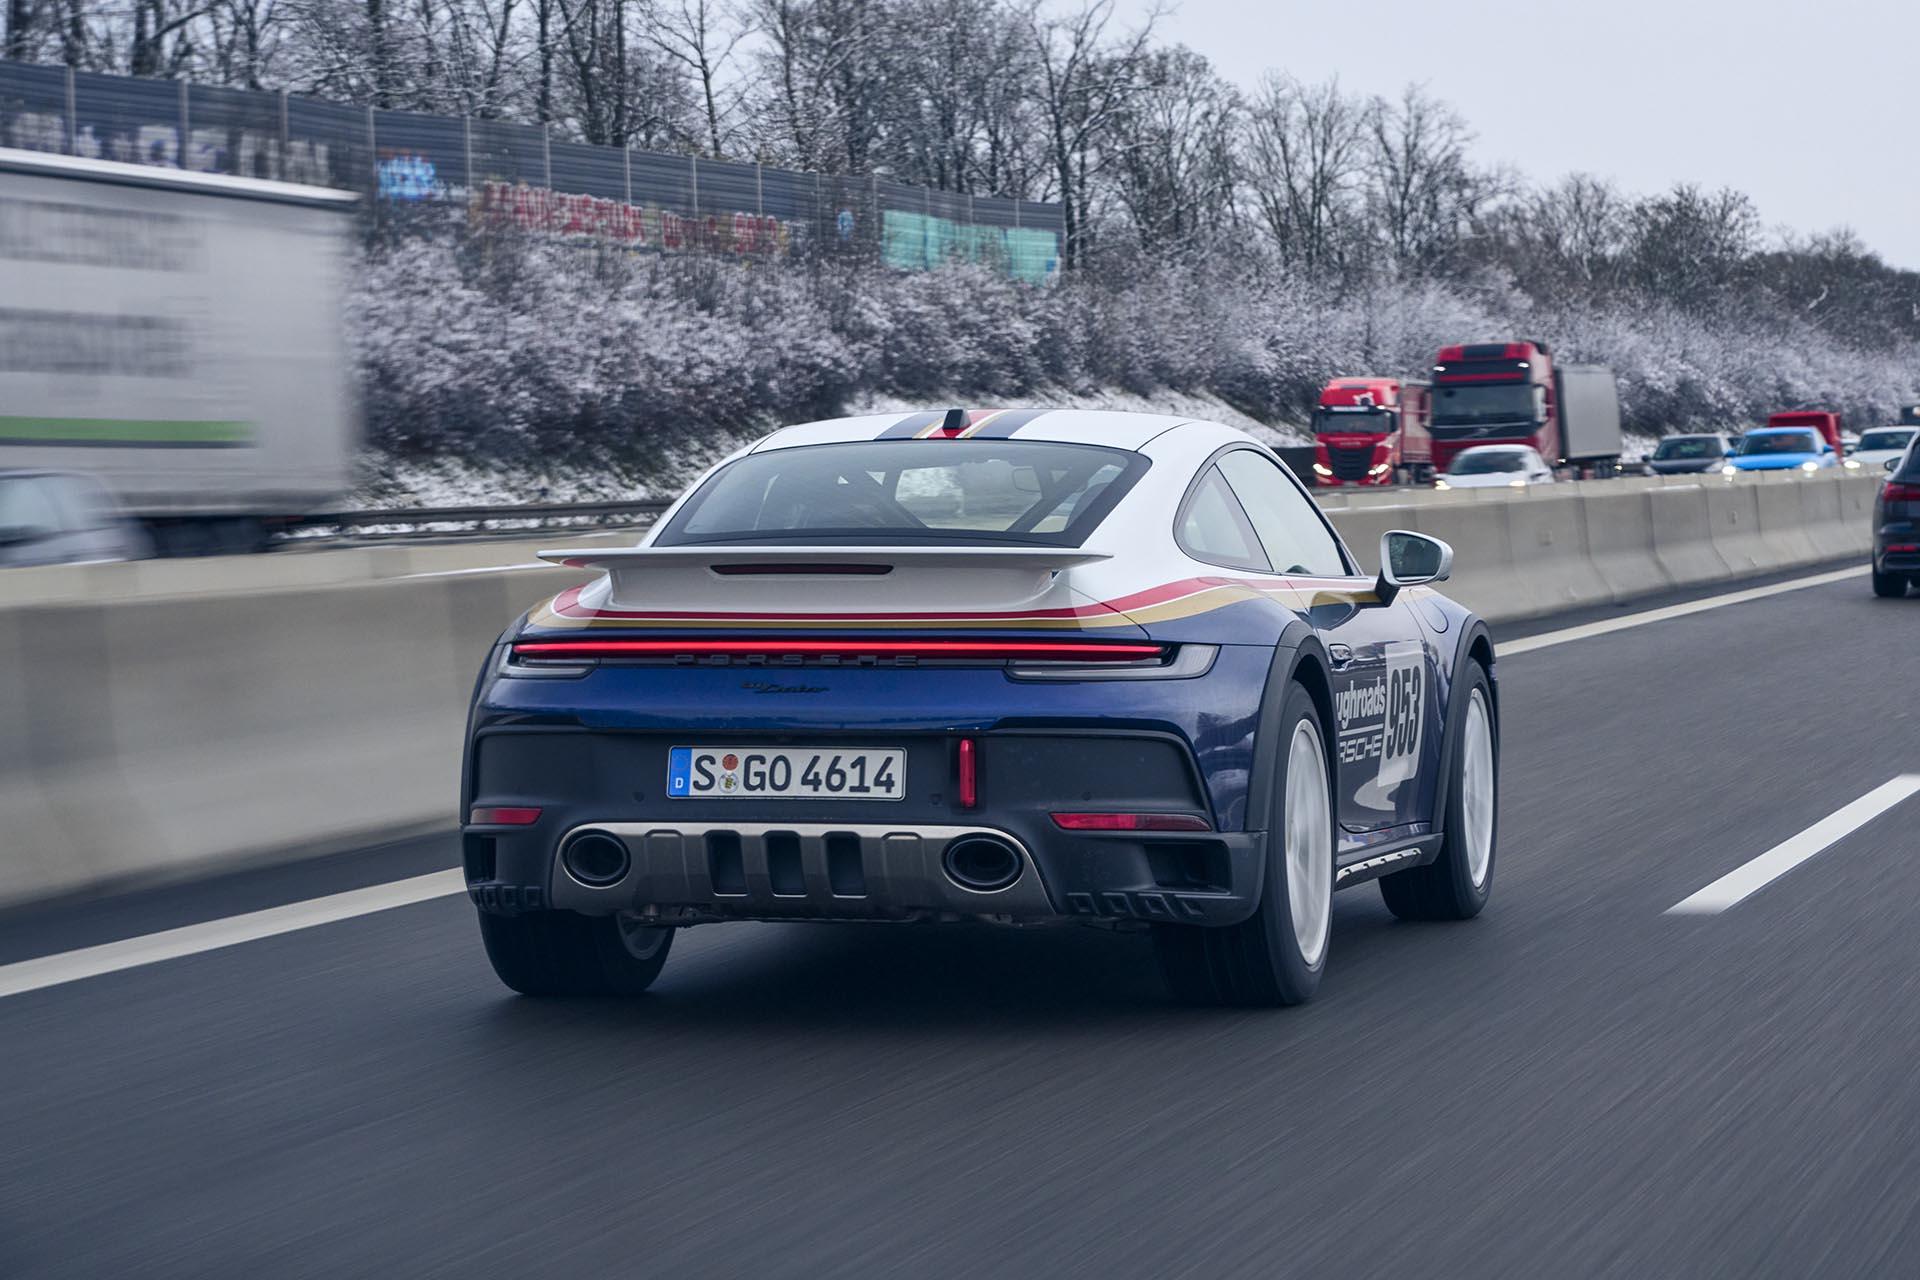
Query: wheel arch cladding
[[1298, 658], [1475, 646]]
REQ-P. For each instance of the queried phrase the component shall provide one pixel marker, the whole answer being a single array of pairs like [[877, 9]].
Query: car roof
[[1499, 448], [1070, 426], [1807, 429]]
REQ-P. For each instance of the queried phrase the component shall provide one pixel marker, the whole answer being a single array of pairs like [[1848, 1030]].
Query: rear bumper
[[693, 873], [694, 861]]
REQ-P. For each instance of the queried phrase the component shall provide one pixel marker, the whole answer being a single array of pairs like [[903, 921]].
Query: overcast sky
[[1813, 109]]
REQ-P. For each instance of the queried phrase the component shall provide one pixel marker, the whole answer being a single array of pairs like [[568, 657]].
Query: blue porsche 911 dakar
[[1012, 665]]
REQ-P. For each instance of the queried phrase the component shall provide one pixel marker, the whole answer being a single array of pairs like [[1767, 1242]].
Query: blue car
[[1023, 666], [1781, 449]]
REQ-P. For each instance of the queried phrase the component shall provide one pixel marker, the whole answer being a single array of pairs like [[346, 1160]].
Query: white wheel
[[1277, 954], [1456, 884], [1309, 843], [1476, 787]]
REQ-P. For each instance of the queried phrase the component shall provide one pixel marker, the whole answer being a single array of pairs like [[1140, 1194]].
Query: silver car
[[63, 517]]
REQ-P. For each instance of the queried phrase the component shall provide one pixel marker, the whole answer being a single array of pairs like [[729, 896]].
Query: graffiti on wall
[[918, 241], [575, 216], [251, 153]]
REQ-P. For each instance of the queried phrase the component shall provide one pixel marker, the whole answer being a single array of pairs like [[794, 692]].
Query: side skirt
[[1371, 864]]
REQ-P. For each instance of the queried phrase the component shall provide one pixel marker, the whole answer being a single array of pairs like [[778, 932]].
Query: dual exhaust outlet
[[977, 863]]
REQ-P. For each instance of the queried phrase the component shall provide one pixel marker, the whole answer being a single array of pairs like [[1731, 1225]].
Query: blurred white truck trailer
[[179, 335], [1589, 418]]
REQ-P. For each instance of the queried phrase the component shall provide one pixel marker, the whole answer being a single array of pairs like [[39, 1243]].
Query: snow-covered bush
[[502, 352]]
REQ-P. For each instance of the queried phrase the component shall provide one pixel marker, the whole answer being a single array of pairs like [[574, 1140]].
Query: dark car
[[63, 517], [1896, 526], [1689, 455], [1019, 666]]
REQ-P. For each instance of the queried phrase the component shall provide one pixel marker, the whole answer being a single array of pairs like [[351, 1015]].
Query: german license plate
[[780, 773]]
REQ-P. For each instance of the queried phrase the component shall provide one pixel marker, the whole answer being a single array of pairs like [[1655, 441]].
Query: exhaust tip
[[981, 864], [595, 859]]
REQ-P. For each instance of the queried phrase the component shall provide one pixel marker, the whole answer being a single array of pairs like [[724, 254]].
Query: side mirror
[[1890, 464], [1409, 559]]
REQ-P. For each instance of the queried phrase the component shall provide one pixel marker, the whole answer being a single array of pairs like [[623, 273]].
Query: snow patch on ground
[[388, 482]]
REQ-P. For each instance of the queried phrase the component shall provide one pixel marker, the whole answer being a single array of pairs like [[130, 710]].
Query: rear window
[[935, 490], [1780, 442], [1679, 447], [1473, 463], [1884, 440]]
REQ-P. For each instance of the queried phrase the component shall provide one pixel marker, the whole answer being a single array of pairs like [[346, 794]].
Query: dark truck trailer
[[181, 337]]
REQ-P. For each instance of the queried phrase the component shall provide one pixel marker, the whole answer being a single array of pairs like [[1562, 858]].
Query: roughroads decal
[[1384, 719]]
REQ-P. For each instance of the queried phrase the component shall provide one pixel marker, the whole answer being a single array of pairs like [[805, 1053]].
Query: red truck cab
[[1494, 393], [1369, 431], [1826, 424]]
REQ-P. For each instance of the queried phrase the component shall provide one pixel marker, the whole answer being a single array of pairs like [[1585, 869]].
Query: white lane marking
[[1548, 639], [130, 953], [1751, 877]]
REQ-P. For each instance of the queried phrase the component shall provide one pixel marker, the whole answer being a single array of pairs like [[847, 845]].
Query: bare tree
[[1175, 168], [21, 21], [1423, 192], [823, 67], [1304, 161], [701, 36], [1085, 79]]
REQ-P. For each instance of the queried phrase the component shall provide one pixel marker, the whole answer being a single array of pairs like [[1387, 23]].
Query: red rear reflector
[[969, 774], [1895, 492], [504, 816], [1903, 547], [995, 650], [1130, 822]]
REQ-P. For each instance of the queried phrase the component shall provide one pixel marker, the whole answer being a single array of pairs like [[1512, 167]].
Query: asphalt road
[[1575, 1084]]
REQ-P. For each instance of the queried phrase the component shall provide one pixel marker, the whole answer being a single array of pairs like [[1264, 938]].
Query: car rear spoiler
[[808, 578]]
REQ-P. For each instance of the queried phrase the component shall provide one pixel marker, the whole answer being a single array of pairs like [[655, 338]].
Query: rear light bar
[[504, 816], [981, 650], [805, 570], [1130, 822], [1897, 492]]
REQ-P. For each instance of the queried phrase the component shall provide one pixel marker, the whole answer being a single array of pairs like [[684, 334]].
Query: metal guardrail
[[445, 522]]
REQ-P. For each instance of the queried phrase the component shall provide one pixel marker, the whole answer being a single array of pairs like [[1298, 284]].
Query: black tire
[[1258, 962], [1889, 586], [1445, 889], [563, 953]]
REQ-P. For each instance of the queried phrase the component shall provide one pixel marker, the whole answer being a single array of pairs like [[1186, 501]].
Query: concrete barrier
[[1683, 542], [1552, 559], [161, 719], [1620, 548]]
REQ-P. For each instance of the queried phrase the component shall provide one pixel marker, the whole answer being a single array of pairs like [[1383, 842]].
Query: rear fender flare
[[1298, 656]]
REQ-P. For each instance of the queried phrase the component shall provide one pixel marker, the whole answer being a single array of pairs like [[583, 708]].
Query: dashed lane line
[[1748, 879], [1548, 639], [171, 944]]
